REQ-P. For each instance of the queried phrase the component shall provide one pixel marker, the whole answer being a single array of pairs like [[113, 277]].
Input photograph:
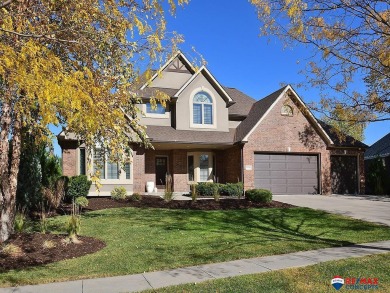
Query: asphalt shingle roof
[[257, 111], [169, 134], [379, 149], [243, 102]]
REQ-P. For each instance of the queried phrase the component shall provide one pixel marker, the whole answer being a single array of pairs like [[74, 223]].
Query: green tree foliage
[[38, 168], [350, 41]]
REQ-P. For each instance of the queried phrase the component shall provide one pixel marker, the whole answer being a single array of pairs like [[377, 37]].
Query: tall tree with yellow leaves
[[350, 41], [72, 63]]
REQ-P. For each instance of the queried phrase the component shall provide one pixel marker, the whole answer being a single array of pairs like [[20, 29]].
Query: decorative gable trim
[[203, 70], [308, 112], [177, 54]]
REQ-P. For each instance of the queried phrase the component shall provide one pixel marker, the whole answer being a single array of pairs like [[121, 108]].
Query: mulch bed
[[39, 249], [200, 204]]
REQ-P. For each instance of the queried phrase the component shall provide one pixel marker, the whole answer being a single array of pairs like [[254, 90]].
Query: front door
[[161, 170]]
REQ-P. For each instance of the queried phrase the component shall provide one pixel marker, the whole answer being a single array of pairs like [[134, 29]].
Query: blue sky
[[226, 33]]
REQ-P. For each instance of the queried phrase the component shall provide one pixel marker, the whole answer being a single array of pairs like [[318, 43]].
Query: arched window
[[202, 108], [287, 110]]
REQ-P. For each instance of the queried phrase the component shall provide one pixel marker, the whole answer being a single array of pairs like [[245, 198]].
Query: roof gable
[[261, 108], [217, 86], [178, 63]]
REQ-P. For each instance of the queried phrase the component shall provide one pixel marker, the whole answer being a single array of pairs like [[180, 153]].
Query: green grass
[[141, 240], [314, 278]]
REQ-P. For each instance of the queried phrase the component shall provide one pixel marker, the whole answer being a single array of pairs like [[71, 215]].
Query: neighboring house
[[209, 132], [379, 152]]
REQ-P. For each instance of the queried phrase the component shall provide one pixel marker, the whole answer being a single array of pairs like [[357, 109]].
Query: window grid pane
[[98, 163], [158, 110], [208, 114], [112, 170], [127, 171], [197, 114], [204, 167]]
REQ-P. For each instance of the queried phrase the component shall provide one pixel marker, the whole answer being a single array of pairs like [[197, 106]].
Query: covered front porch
[[187, 164]]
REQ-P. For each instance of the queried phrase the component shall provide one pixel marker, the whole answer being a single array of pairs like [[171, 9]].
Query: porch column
[[179, 171]]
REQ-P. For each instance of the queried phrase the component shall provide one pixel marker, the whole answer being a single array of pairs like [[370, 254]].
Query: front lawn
[[316, 278], [148, 239]]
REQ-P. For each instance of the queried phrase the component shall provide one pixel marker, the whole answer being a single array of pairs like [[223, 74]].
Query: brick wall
[[69, 158], [139, 179], [283, 134], [232, 165], [179, 170]]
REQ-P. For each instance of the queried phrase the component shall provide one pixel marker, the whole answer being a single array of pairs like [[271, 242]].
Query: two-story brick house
[[209, 132]]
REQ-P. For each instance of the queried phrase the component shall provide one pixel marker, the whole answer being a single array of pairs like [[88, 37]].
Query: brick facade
[[291, 134], [69, 159]]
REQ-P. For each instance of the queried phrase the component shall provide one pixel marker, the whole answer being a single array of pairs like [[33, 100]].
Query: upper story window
[[202, 109], [159, 109]]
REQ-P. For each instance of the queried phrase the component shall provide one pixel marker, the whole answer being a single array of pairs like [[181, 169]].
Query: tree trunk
[[9, 181]]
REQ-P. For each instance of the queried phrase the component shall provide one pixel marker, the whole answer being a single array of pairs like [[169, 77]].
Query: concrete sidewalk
[[195, 274]]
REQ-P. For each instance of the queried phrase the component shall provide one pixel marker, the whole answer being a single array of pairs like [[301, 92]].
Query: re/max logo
[[361, 281]]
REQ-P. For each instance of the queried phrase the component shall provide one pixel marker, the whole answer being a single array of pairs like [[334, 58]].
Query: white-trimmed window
[[159, 109], [200, 166], [110, 170], [202, 111]]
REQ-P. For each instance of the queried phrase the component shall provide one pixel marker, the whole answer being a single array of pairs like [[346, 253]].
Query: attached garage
[[344, 174], [287, 173]]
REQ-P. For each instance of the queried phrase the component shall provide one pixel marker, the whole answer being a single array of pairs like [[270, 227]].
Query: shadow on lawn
[[292, 225]]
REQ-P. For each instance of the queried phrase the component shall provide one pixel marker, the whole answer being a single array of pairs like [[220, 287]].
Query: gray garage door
[[286, 173]]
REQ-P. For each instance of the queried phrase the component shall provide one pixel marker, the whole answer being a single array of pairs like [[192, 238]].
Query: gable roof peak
[[177, 54]]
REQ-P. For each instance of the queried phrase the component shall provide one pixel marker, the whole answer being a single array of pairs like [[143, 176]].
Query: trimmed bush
[[259, 195], [81, 201], [118, 193], [207, 188], [136, 196], [231, 189], [77, 186]]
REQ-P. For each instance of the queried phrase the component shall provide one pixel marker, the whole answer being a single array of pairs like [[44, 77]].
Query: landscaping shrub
[[73, 226], [20, 219], [259, 195], [77, 186], [136, 196], [207, 188], [81, 202], [231, 189], [118, 193]]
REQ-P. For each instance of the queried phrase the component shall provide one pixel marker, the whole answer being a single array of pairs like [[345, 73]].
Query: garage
[[344, 174], [287, 173]]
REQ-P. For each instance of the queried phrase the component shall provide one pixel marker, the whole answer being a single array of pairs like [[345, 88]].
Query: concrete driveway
[[369, 208]]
